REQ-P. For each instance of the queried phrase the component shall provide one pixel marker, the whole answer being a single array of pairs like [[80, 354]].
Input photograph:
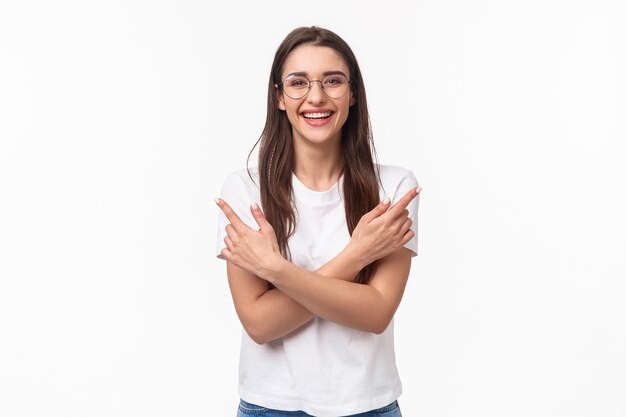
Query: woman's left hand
[[255, 251]]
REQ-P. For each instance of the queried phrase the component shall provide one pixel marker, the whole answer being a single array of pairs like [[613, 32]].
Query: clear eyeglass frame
[[329, 89]]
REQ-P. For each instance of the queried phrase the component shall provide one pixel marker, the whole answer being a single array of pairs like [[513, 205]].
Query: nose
[[316, 94]]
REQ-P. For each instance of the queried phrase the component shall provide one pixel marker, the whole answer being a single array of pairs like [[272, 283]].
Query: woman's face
[[304, 113]]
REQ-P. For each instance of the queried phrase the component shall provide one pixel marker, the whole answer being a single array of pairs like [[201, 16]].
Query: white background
[[120, 120]]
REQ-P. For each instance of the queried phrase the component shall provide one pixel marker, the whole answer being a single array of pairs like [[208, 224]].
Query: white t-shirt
[[322, 368]]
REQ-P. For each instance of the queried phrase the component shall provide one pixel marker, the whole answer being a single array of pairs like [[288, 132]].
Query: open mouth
[[317, 115]]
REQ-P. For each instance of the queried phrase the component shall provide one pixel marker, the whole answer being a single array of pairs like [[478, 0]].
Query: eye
[[334, 81], [297, 82]]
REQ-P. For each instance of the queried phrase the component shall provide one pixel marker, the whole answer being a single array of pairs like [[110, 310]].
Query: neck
[[318, 166]]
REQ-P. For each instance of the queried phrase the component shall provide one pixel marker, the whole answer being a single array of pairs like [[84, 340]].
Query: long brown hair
[[276, 153]]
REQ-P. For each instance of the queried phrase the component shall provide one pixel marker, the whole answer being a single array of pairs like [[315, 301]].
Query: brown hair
[[276, 153]]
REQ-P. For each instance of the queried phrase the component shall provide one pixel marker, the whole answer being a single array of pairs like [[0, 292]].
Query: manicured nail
[[217, 201], [254, 206], [386, 200]]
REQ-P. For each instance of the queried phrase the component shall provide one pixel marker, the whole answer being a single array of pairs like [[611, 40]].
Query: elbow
[[256, 333], [255, 327], [379, 326], [258, 339], [378, 329]]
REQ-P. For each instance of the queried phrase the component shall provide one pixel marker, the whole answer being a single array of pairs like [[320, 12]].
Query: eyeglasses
[[297, 86]]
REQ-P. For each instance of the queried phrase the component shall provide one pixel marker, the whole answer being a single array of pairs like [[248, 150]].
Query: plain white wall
[[119, 121]]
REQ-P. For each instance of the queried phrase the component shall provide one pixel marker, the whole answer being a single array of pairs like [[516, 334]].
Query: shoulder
[[396, 177], [242, 179]]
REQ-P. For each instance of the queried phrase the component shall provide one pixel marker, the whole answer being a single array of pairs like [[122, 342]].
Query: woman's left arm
[[367, 307]]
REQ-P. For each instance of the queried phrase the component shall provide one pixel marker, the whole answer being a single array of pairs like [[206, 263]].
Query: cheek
[[345, 110], [292, 110], [292, 116], [344, 119]]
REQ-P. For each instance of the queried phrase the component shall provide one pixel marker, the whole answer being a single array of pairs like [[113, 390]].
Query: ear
[[352, 99], [281, 98]]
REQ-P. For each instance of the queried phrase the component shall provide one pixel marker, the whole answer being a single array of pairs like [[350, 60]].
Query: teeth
[[316, 115]]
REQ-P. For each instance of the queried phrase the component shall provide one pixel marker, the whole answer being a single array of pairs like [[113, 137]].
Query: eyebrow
[[306, 74]]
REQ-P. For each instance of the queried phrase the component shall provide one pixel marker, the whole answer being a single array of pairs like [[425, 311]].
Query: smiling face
[[315, 118]]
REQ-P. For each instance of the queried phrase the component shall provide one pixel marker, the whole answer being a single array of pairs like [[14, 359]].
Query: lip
[[317, 110], [317, 122]]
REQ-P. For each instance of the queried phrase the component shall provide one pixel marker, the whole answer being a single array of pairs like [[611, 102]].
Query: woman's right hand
[[381, 232]]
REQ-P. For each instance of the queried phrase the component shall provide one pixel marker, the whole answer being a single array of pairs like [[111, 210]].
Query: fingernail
[[386, 200], [254, 206], [217, 201]]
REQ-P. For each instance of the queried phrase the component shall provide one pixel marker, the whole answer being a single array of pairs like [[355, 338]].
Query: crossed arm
[[254, 261]]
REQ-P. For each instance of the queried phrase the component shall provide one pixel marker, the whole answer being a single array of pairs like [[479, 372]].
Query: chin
[[319, 139]]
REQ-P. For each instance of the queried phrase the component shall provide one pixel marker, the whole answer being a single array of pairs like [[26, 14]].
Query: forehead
[[314, 60]]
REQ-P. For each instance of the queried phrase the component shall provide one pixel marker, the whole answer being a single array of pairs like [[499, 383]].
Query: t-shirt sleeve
[[407, 182], [238, 195]]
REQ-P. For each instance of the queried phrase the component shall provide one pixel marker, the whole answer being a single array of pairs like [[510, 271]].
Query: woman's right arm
[[267, 313]]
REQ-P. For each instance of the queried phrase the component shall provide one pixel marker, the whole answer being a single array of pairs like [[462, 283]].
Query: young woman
[[318, 270]]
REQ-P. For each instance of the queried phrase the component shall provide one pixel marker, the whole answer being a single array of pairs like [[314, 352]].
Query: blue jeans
[[248, 410]]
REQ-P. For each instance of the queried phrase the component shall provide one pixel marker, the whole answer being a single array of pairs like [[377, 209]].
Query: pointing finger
[[404, 201], [230, 214]]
